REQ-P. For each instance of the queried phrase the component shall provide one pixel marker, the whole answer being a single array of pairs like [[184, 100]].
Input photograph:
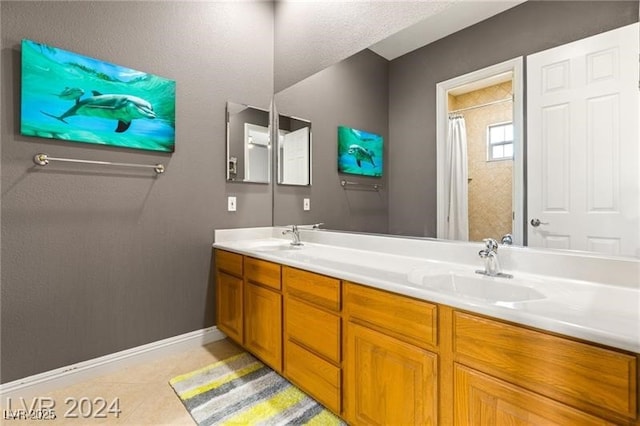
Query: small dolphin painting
[[359, 152], [77, 98]]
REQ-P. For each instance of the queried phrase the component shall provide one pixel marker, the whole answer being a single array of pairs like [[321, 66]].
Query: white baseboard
[[40, 384]]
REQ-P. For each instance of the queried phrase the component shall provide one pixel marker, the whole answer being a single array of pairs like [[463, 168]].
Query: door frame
[[248, 128], [516, 66]]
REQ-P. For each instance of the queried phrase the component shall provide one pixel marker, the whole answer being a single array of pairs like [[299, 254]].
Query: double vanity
[[387, 330]]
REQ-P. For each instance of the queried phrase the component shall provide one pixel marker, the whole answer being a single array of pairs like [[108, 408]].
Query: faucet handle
[[491, 244], [317, 225]]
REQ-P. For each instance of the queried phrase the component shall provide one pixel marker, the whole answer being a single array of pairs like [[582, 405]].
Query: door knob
[[536, 222]]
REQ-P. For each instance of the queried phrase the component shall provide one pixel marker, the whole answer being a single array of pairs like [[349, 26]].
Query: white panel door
[[295, 157], [583, 184]]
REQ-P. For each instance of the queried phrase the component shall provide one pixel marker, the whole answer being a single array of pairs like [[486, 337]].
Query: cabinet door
[[263, 324], [388, 381], [484, 400], [229, 305]]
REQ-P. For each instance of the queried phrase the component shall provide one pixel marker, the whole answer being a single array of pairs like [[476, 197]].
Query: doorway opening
[[480, 154]]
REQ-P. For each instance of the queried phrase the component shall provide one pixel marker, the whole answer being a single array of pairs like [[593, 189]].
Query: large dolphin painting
[[77, 98]]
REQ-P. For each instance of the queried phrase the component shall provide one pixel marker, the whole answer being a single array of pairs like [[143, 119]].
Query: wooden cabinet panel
[[263, 324], [314, 288], [313, 328], [412, 320], [387, 381], [483, 400], [588, 377], [229, 262], [229, 305], [262, 272], [316, 376]]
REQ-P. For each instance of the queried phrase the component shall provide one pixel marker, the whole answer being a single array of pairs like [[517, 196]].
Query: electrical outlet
[[231, 204], [306, 204]]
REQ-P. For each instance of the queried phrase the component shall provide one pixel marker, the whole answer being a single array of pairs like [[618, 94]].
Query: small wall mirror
[[248, 144], [294, 151]]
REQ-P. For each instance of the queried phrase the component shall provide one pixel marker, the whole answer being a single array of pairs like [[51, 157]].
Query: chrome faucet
[[295, 235], [490, 256]]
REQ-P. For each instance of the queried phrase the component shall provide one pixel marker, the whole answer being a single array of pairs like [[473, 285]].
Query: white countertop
[[599, 312]]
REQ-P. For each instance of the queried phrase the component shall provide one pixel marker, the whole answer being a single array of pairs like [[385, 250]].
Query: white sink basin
[[480, 287]]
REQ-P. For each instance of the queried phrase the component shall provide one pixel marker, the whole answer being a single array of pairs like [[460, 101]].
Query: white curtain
[[456, 184]]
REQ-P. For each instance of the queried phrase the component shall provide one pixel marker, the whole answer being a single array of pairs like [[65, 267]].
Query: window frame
[[489, 145]]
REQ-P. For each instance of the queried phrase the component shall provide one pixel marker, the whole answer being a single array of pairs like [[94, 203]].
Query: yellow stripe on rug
[[268, 408], [191, 374]]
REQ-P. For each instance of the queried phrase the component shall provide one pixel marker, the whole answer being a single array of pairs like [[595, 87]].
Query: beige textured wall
[[490, 186]]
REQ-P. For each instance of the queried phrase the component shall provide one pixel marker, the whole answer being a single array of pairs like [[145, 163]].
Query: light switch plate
[[306, 204], [231, 204]]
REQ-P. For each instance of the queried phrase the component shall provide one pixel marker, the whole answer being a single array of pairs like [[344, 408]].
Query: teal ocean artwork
[[359, 152], [77, 98]]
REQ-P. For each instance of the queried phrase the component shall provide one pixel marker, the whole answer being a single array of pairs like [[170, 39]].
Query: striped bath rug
[[243, 391]]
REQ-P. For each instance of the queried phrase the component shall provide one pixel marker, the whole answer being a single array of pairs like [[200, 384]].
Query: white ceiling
[[460, 14]]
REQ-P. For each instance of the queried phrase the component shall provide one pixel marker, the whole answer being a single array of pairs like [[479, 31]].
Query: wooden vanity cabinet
[[313, 335], [390, 378], [263, 311], [376, 357], [249, 304], [229, 294]]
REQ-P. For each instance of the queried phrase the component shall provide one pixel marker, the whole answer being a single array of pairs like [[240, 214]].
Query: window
[[500, 141]]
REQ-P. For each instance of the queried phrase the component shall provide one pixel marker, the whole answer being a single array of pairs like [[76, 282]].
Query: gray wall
[[353, 93], [97, 260], [525, 29], [313, 35]]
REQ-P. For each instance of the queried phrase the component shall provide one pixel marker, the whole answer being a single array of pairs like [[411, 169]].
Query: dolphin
[[71, 94], [360, 154], [123, 108]]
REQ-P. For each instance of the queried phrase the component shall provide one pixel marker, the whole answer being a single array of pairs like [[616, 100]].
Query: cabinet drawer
[[229, 262], [262, 272], [314, 288], [321, 379], [579, 374], [408, 319], [313, 328]]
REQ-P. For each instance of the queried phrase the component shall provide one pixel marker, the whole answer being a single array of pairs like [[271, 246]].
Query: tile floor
[[145, 396]]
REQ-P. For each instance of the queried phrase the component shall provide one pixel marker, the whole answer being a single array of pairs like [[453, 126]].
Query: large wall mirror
[[396, 96], [248, 144], [294, 151]]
